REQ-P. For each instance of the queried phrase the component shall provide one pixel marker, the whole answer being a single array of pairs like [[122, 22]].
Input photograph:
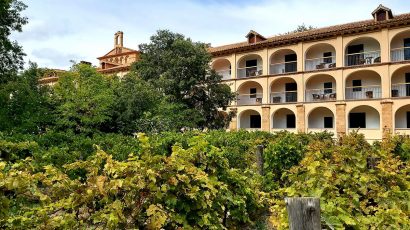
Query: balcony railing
[[320, 63], [226, 74], [363, 92], [363, 58], [400, 54], [285, 67], [400, 90], [328, 94], [283, 97], [252, 71], [249, 99]]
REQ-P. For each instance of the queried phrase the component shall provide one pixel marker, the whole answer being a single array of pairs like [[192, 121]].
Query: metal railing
[[226, 74], [249, 99], [328, 94], [320, 63], [363, 58], [400, 54], [252, 71], [283, 97], [363, 92], [285, 67], [400, 90]]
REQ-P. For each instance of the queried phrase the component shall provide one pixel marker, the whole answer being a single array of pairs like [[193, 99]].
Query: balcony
[[363, 92], [226, 74], [283, 97], [249, 99], [252, 71], [400, 90], [320, 63], [363, 58], [285, 67], [400, 54], [315, 95]]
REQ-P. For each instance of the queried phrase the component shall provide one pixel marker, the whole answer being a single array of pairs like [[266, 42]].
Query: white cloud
[[84, 28]]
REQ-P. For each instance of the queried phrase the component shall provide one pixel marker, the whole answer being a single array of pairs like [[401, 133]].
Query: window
[[357, 120], [251, 63], [357, 85], [329, 59], [328, 122], [290, 63], [252, 92], [328, 87], [255, 121], [408, 119], [290, 121]]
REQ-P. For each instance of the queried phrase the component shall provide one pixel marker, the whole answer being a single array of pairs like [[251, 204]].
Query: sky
[[82, 30]]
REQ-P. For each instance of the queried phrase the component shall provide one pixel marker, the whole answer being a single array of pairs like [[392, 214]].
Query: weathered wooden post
[[259, 158], [303, 213]]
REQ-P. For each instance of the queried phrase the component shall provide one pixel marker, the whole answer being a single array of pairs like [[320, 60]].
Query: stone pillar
[[265, 118], [340, 119], [387, 117], [300, 118], [233, 126]]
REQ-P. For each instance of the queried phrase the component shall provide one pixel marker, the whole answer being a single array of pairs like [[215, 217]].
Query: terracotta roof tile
[[331, 31]]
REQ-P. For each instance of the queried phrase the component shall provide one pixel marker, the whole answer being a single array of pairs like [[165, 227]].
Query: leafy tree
[[179, 68], [11, 54], [85, 100]]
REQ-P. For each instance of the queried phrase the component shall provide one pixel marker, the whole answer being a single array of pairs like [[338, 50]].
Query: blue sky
[[64, 30]]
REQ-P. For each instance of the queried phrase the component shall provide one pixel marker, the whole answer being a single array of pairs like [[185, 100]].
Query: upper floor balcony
[[320, 88], [283, 90], [400, 82], [223, 68], [362, 51], [249, 93], [283, 61], [400, 47], [320, 56], [250, 66], [363, 84]]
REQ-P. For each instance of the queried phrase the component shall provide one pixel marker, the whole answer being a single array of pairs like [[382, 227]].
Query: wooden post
[[259, 158], [303, 213]]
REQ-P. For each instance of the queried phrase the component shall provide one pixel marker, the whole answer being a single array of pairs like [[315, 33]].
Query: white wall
[[367, 77], [318, 50], [401, 117], [372, 116], [279, 118], [369, 44], [242, 62], [279, 56], [245, 121], [279, 85], [316, 82], [317, 117], [397, 41]]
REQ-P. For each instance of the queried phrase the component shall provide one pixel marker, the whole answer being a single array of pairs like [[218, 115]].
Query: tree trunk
[[303, 213]]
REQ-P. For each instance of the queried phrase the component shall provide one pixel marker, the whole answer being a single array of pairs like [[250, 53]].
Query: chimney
[[119, 39]]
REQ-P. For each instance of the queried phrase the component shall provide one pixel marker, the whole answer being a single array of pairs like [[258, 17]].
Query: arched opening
[[283, 90], [363, 84], [283, 61], [402, 119], [249, 119], [320, 56], [283, 119], [364, 117], [250, 66], [400, 82], [321, 88], [222, 67], [400, 46], [362, 51], [250, 93], [320, 119]]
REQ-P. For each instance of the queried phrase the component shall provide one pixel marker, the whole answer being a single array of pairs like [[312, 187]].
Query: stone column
[[387, 117], [300, 118], [265, 118], [233, 126], [340, 119]]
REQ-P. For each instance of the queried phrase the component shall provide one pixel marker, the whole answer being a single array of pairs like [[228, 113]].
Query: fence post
[[303, 213], [259, 158]]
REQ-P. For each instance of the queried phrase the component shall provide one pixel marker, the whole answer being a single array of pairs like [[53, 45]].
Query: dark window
[[408, 119], [290, 121], [290, 63], [381, 16], [356, 55], [251, 63], [290, 92], [328, 122], [252, 92], [327, 60], [255, 121], [407, 79], [357, 120], [357, 85], [406, 45], [328, 87]]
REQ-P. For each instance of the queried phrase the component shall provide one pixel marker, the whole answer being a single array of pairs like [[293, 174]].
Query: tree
[[300, 28], [179, 68], [85, 100], [11, 54]]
